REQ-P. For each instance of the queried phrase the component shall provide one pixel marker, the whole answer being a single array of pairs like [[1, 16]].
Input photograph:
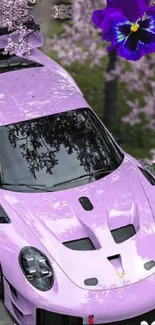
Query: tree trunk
[[111, 100]]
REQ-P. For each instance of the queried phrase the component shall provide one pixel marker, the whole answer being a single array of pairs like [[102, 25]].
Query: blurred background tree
[[121, 92]]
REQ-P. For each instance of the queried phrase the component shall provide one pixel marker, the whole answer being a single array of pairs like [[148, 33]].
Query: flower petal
[[146, 41], [98, 17], [130, 48], [137, 45], [151, 13], [149, 22], [108, 11], [113, 47], [132, 11], [116, 28]]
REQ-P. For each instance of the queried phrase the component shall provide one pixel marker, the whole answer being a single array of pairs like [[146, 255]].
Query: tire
[[1, 285]]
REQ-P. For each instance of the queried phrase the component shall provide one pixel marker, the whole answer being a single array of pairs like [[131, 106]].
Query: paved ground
[[4, 317]]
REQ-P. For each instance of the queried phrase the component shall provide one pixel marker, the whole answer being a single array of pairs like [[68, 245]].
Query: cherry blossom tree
[[85, 44], [16, 25], [92, 49]]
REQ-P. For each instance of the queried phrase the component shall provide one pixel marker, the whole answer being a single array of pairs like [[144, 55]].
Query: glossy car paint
[[45, 220]]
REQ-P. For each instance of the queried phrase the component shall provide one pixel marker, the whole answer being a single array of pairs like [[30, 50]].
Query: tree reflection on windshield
[[56, 148]]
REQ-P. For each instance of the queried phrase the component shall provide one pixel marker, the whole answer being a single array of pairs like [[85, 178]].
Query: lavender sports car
[[77, 213]]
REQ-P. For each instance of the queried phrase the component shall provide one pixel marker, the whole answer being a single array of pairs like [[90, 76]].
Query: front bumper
[[114, 307]]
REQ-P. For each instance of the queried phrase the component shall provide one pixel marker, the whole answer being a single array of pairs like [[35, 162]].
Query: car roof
[[30, 93]]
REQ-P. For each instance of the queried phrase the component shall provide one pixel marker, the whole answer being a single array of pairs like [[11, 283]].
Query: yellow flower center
[[134, 27]]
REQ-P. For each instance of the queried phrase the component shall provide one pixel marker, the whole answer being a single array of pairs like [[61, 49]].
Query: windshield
[[56, 152]]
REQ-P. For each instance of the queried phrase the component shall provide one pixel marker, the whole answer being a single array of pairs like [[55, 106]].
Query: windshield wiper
[[33, 186], [91, 174], [45, 188]]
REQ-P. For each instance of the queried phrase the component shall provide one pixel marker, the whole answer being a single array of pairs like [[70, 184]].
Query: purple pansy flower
[[129, 26]]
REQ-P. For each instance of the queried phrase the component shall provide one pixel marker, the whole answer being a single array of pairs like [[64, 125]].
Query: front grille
[[48, 318]]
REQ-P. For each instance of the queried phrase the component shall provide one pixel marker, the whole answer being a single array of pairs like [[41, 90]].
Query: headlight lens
[[36, 268]]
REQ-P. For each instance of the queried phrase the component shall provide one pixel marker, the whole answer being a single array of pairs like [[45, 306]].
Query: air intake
[[45, 318], [83, 244], [149, 265], [91, 282], [3, 216], [124, 233], [86, 204], [17, 312]]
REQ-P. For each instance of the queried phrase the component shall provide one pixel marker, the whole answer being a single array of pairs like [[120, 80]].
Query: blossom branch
[[18, 23]]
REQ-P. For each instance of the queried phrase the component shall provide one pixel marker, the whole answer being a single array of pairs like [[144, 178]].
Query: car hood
[[118, 200]]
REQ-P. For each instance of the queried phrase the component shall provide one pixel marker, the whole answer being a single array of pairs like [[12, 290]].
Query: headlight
[[36, 268]]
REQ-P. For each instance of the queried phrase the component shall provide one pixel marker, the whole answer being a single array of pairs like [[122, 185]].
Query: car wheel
[[1, 285]]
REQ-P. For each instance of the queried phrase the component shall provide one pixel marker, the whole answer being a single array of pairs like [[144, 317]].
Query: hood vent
[[91, 282], [3, 217], [148, 176], [83, 244], [116, 261], [86, 204], [149, 265], [122, 234]]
